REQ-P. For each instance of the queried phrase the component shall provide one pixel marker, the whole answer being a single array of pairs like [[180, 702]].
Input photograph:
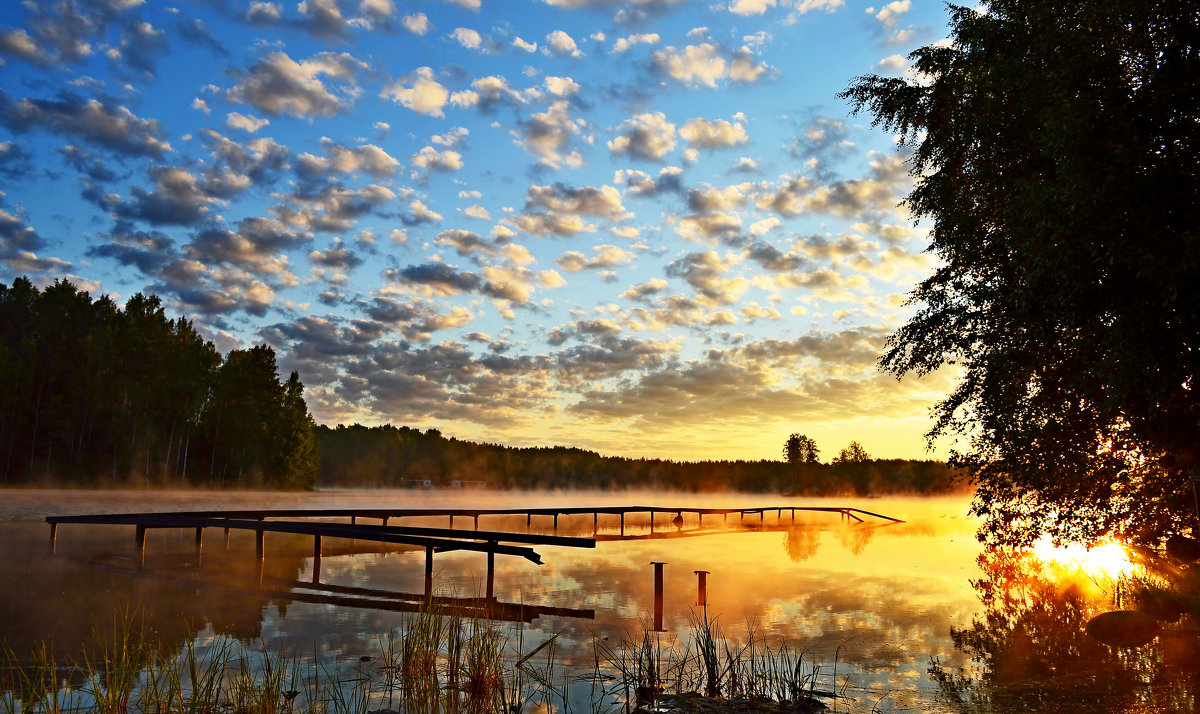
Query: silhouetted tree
[[1057, 150]]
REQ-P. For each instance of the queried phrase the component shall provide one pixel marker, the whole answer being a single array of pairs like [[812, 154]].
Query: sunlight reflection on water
[[879, 598]]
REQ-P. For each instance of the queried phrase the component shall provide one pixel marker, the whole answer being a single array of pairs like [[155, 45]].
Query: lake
[[898, 617]]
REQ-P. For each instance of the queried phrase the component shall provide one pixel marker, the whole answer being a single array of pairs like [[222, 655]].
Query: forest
[[103, 396], [390, 456]]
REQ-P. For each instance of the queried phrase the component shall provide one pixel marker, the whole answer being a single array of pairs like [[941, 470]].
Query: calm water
[[906, 610]]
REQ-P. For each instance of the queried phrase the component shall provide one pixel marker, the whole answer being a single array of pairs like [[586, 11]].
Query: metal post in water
[[651, 521], [260, 550], [658, 596], [701, 587], [199, 546], [53, 538], [227, 539]]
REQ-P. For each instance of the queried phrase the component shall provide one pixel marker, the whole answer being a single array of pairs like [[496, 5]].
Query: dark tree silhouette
[[1057, 152]]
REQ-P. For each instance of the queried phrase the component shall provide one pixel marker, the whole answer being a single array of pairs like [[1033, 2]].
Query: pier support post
[[658, 596], [622, 523], [476, 521], [199, 546], [139, 537], [428, 573], [316, 578], [491, 571], [651, 521], [53, 538], [260, 550], [555, 522], [595, 522], [227, 540], [701, 587]]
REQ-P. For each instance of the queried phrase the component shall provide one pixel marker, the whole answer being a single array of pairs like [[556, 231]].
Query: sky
[[648, 228]]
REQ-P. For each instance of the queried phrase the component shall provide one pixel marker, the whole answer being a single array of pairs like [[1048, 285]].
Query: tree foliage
[[1056, 148], [853, 453], [98, 394], [800, 449]]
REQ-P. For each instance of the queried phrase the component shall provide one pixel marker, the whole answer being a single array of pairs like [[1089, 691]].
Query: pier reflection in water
[[883, 602]]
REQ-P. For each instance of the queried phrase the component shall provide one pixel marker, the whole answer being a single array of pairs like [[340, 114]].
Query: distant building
[[418, 483], [468, 484]]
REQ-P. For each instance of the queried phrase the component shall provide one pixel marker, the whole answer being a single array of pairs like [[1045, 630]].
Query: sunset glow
[[1109, 560], [647, 228]]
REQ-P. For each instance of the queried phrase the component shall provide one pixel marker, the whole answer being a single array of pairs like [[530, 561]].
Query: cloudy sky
[[647, 227]]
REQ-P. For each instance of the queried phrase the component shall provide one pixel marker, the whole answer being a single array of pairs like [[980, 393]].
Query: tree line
[[99, 395], [102, 395], [397, 456]]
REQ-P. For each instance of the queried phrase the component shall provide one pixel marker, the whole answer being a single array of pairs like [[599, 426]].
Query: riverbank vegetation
[[437, 661]]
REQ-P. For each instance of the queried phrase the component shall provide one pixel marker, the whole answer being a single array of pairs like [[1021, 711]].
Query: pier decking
[[318, 524]]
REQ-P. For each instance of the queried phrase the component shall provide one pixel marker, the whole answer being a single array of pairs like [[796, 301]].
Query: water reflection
[[1030, 652], [878, 600]]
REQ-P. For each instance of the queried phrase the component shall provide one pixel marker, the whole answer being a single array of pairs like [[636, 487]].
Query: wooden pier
[[317, 523]]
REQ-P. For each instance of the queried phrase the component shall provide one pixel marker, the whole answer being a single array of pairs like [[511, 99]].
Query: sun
[[1107, 559]]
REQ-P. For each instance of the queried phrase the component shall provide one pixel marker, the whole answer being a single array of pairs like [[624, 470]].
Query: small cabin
[[464, 484]]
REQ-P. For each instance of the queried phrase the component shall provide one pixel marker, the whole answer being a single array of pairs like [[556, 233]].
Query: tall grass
[[437, 662]]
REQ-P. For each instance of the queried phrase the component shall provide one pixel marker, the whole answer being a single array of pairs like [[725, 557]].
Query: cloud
[[547, 134], [256, 246], [463, 242], [878, 194], [704, 271], [523, 45], [18, 43], [430, 159], [422, 94], [176, 199], [248, 124], [18, 242], [487, 93], [333, 209], [750, 7], [639, 183], [337, 257], [278, 85], [561, 86], [367, 158], [418, 24], [704, 134], [15, 161], [468, 38], [706, 63], [560, 43], [646, 136], [607, 256], [323, 18], [112, 127], [560, 209], [624, 43]]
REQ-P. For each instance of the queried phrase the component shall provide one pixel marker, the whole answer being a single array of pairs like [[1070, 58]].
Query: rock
[[1183, 549], [1123, 628]]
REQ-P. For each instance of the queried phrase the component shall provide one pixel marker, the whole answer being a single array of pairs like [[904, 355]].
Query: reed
[[437, 662]]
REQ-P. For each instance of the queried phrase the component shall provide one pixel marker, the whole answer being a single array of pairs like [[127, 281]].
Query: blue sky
[[648, 228]]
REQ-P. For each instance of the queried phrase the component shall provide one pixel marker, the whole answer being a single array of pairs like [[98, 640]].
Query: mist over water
[[880, 599]]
